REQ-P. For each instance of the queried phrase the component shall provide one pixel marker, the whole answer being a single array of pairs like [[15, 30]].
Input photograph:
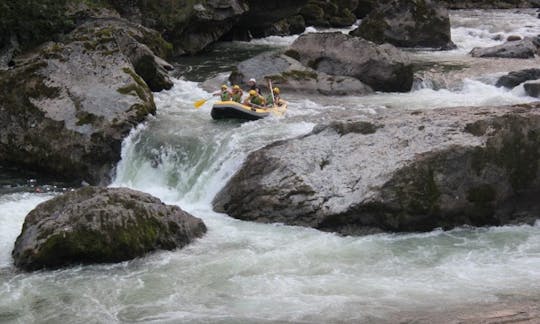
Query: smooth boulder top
[[396, 172], [101, 225]]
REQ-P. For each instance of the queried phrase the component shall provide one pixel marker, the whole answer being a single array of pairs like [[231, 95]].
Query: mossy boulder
[[397, 172], [101, 225], [408, 23], [66, 106]]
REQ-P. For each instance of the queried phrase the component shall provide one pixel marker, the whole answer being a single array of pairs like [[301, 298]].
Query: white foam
[[283, 41], [14, 209]]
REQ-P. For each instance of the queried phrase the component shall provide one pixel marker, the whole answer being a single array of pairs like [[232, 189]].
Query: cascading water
[[248, 272]]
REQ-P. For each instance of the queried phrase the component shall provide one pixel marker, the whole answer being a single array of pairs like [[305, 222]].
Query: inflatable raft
[[235, 110]]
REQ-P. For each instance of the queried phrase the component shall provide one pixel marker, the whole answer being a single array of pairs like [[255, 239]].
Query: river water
[[243, 272]]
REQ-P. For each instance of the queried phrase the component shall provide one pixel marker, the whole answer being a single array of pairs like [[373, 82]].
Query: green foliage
[[33, 21]]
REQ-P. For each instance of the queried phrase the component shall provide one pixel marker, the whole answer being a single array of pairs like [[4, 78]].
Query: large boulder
[[532, 88], [408, 171], [515, 78], [66, 107], [100, 225], [382, 67], [523, 49], [408, 23], [291, 76]]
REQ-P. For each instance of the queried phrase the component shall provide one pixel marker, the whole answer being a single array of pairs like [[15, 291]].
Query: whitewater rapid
[[260, 273]]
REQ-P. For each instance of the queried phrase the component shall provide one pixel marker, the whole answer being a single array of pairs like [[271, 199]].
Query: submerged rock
[[515, 78], [522, 49], [291, 76], [66, 107], [408, 23], [382, 67], [101, 225], [408, 171]]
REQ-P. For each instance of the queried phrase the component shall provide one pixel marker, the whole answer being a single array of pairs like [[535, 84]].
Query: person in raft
[[276, 98], [254, 100], [252, 83], [237, 94], [224, 94]]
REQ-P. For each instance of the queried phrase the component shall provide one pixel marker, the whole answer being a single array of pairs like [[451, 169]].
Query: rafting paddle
[[198, 104]]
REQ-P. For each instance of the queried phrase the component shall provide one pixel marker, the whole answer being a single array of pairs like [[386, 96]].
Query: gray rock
[[522, 49], [291, 76], [513, 38], [532, 88], [382, 67], [409, 171], [66, 107], [408, 23], [515, 78], [489, 4], [101, 225]]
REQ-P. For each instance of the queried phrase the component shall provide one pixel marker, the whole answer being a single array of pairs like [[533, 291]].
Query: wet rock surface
[[532, 88], [523, 49], [101, 225], [515, 78], [382, 67], [291, 76], [66, 106], [411, 23], [409, 171]]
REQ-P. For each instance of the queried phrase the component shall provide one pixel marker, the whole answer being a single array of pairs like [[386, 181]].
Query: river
[[243, 272]]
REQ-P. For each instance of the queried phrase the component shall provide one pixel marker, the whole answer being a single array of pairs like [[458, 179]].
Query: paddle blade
[[199, 103]]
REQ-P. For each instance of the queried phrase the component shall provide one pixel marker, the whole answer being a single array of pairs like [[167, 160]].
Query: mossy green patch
[[300, 75], [293, 54], [85, 118]]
